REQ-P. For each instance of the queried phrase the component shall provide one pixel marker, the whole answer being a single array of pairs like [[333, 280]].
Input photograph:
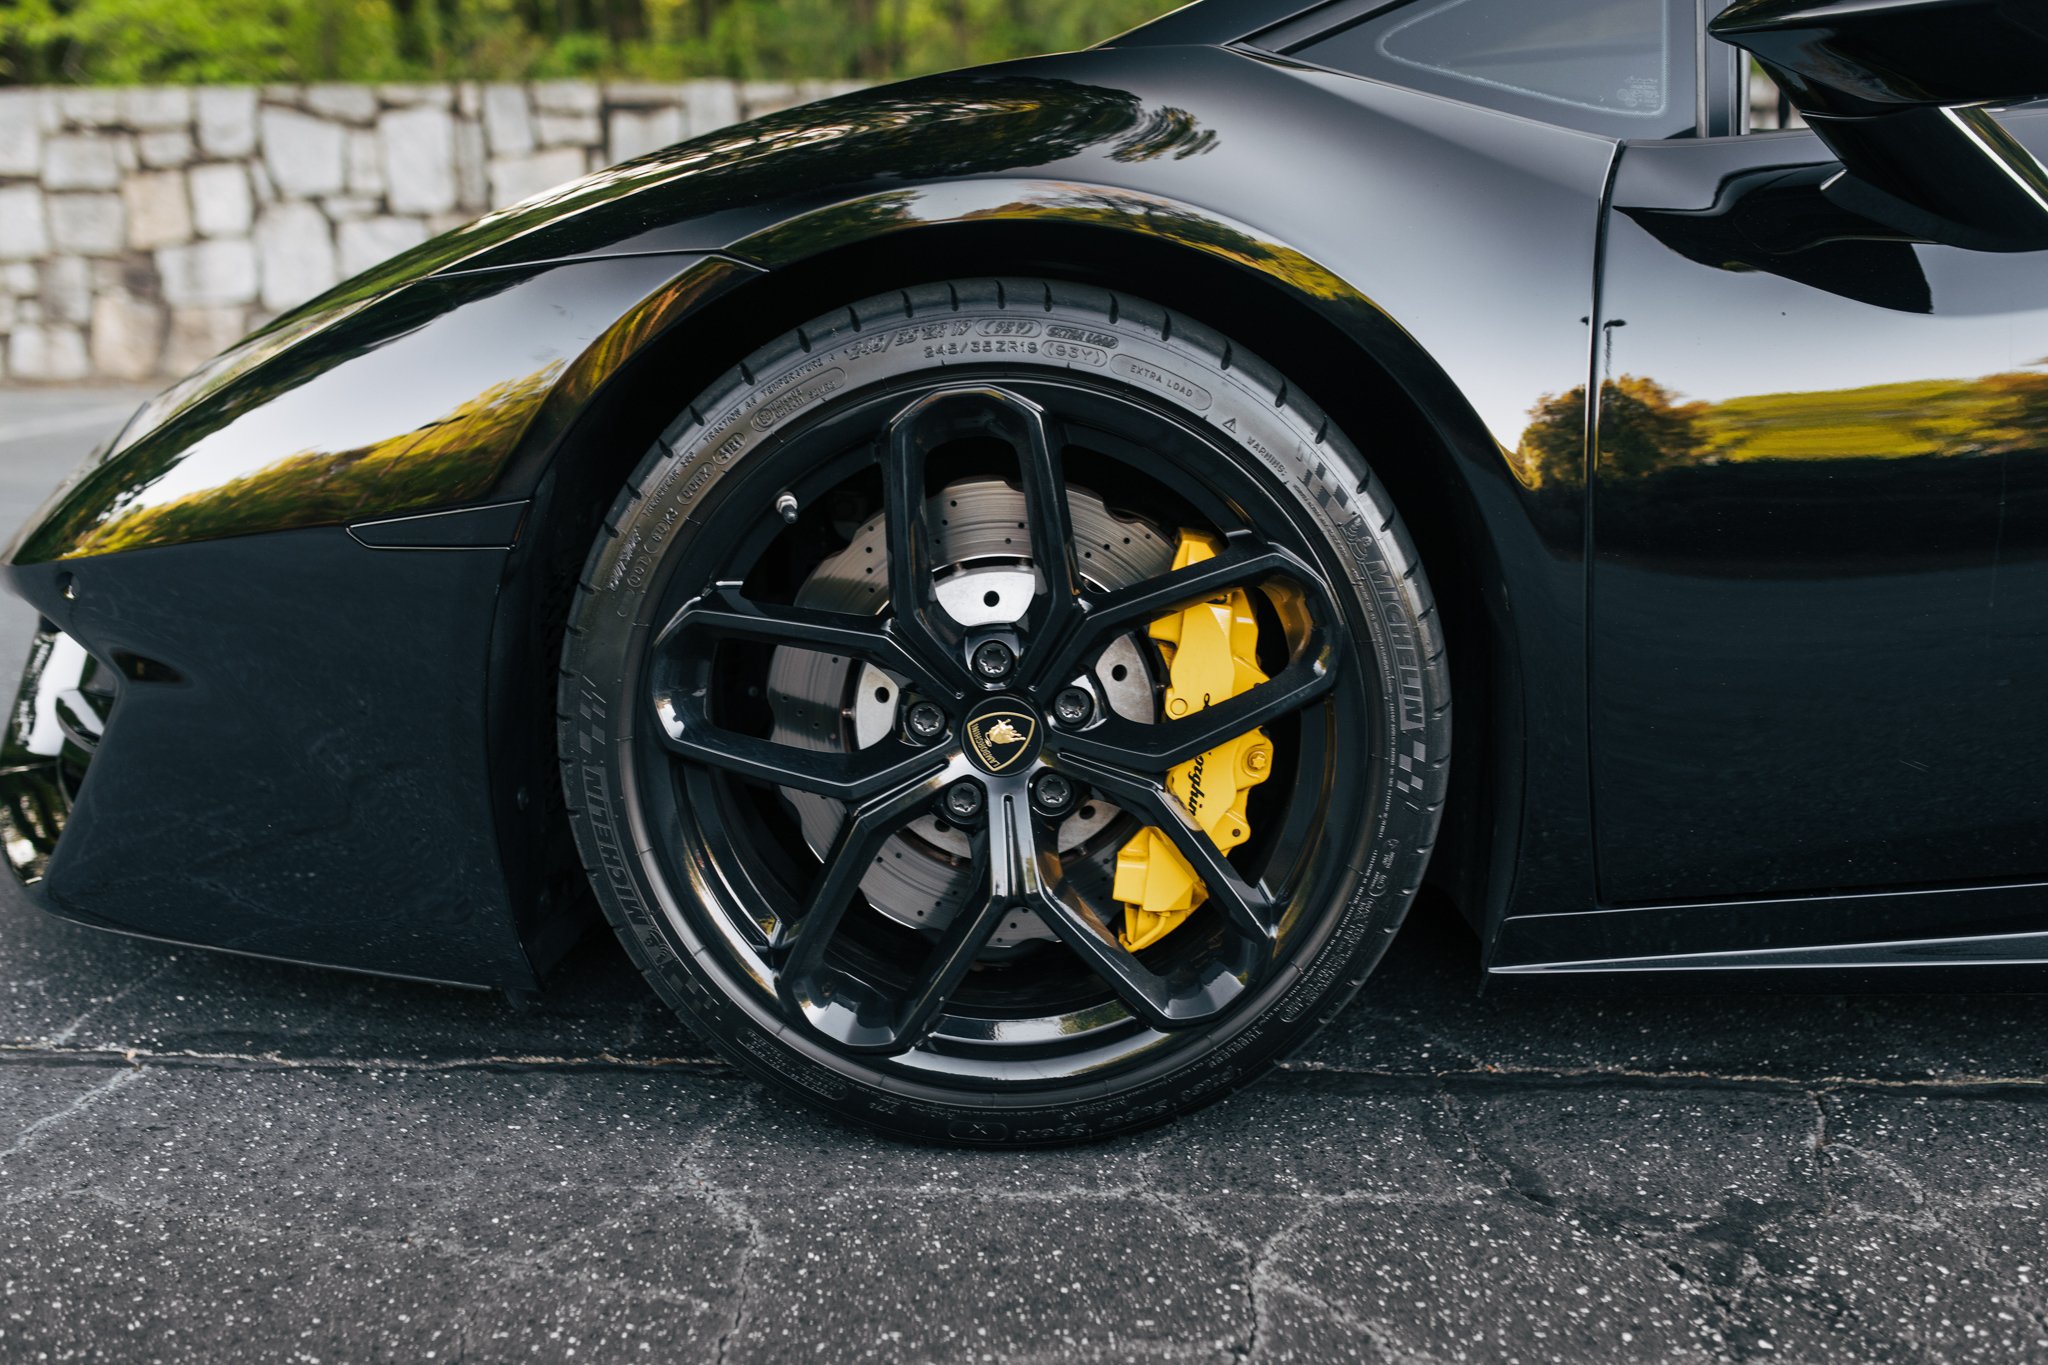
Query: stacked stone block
[[144, 229]]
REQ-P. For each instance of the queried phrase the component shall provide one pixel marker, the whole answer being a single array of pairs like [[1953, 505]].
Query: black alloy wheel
[[866, 699]]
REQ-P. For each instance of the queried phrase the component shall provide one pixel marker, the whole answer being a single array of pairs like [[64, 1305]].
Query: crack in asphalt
[[733, 1206], [1712, 1260], [1248, 1347], [1263, 1279], [31, 1131], [1925, 1215], [1744, 1228], [64, 1035]]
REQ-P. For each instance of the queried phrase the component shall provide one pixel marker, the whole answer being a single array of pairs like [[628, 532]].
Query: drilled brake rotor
[[984, 576]]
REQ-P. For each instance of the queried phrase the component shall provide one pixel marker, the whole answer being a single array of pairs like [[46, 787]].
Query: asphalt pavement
[[212, 1158]]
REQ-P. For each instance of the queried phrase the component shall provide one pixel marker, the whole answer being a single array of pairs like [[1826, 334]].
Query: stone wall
[[144, 229]]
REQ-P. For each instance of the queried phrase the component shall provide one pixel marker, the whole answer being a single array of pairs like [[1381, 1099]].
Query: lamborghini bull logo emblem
[[1001, 739]]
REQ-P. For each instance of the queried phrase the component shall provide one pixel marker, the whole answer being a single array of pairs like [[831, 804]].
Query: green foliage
[[244, 41], [133, 41]]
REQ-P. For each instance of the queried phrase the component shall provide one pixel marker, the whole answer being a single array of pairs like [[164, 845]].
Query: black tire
[[693, 486]]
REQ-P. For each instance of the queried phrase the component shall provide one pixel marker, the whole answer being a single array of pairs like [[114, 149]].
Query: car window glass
[[1620, 67], [1608, 56]]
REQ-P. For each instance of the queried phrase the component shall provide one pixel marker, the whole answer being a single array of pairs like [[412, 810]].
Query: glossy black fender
[[473, 374]]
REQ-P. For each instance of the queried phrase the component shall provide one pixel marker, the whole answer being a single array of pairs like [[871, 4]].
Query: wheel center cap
[[1002, 735]]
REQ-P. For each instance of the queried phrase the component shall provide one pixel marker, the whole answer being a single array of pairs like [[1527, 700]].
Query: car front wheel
[[1004, 711]]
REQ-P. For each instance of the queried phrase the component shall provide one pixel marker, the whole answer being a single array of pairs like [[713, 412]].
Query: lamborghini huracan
[[974, 578]]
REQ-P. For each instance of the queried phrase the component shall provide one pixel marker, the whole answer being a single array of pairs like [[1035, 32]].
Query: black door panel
[[1820, 518]]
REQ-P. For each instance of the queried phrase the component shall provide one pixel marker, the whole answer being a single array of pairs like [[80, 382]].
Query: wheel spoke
[[1050, 524], [1006, 849], [1248, 908], [1243, 561], [944, 970], [1022, 425], [1078, 926], [996, 848], [866, 829], [724, 611], [856, 776], [1148, 995], [1155, 748], [917, 619]]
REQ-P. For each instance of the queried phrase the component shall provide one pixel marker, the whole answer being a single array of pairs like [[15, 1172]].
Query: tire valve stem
[[786, 505]]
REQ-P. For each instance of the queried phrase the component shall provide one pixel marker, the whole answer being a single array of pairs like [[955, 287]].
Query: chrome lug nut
[[1053, 793], [993, 660], [925, 722], [1073, 706], [963, 799]]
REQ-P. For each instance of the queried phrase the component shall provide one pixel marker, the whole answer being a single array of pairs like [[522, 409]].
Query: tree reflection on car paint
[[448, 461], [1645, 429]]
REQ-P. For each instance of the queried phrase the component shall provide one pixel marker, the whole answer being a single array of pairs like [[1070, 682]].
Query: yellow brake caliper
[[1210, 650]]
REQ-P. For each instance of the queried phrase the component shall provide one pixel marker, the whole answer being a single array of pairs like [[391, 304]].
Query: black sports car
[[976, 573]]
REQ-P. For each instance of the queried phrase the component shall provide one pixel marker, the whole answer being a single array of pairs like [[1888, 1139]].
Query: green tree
[[130, 41]]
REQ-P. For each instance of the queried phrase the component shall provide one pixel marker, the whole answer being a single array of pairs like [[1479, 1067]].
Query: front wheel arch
[[1300, 336]]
